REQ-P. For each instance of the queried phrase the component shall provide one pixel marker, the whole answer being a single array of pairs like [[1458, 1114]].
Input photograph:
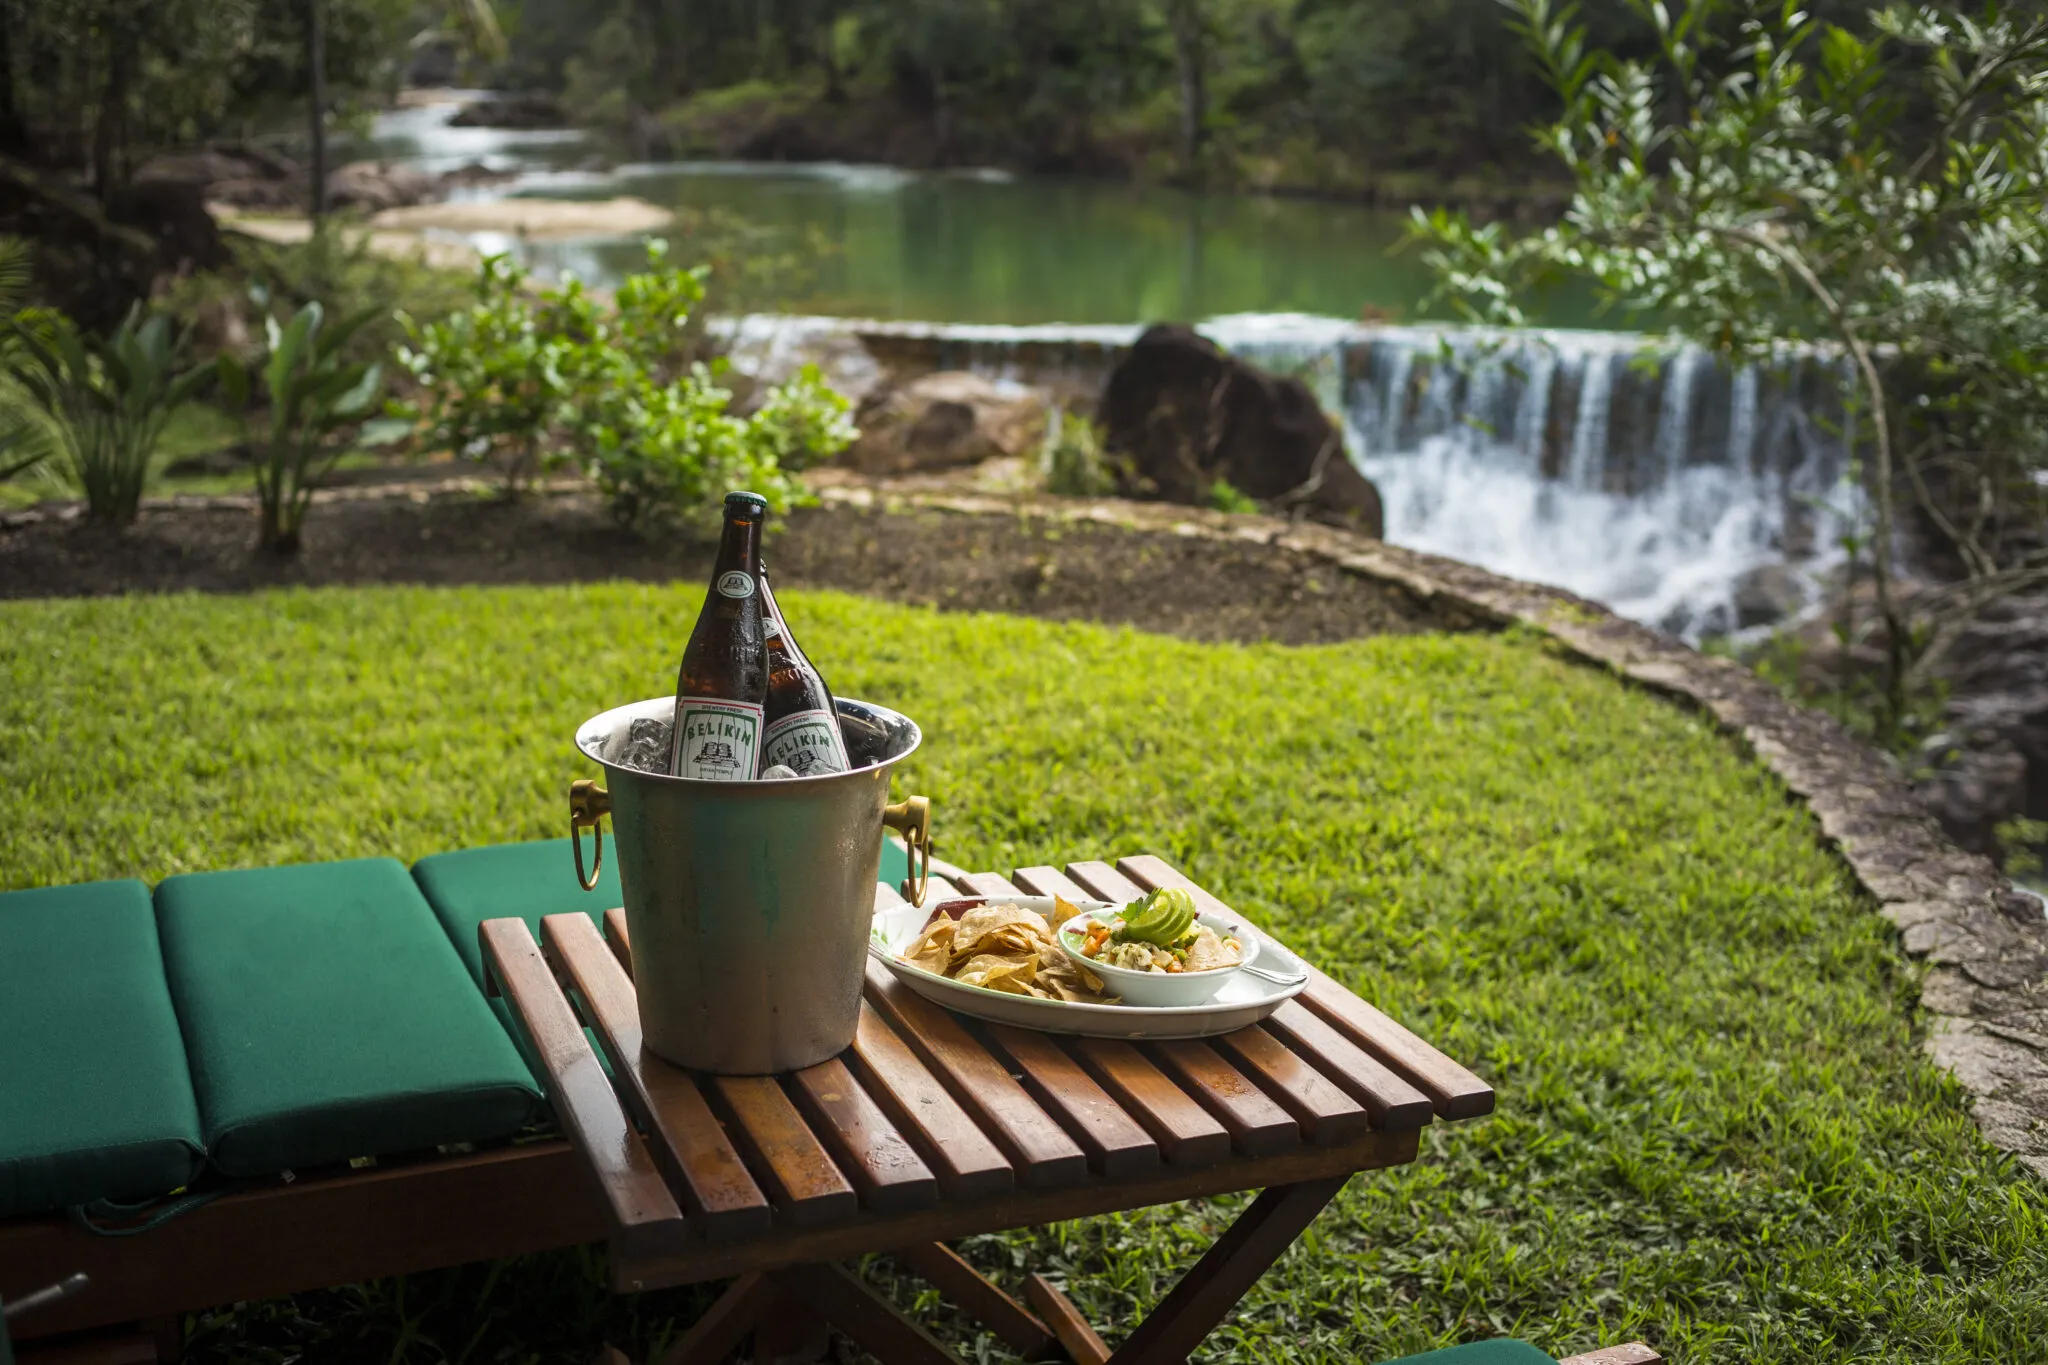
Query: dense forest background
[[1399, 99]]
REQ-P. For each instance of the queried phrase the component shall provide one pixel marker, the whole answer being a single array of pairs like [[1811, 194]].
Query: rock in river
[[938, 421], [1184, 413]]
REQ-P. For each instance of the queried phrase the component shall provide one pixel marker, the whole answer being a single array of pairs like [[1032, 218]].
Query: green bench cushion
[[531, 880], [98, 1103], [326, 1018], [471, 885], [1500, 1352]]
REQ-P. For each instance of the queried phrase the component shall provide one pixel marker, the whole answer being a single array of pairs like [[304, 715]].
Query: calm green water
[[975, 247], [961, 248]]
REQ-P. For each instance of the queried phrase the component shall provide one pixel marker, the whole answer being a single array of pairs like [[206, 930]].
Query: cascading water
[[1653, 479], [1630, 471]]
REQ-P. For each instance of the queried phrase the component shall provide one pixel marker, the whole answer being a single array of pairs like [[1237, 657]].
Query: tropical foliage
[[1766, 179], [531, 378], [98, 403], [313, 391]]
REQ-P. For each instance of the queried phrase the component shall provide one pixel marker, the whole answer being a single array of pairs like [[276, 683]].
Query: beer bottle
[[803, 724], [723, 683]]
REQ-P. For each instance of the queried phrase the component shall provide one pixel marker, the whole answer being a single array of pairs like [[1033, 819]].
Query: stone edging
[[1984, 942]]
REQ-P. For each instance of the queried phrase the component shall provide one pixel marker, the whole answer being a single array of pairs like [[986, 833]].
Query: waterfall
[[1589, 425], [1632, 471]]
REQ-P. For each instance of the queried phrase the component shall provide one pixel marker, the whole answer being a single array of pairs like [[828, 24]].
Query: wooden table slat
[[1326, 1114], [638, 1205], [886, 1170], [960, 1154], [987, 884], [1455, 1091], [1040, 1149], [1392, 1102], [1104, 882], [1048, 881], [617, 938], [1257, 1125], [1187, 1134], [688, 1142], [1116, 1144], [807, 1188]]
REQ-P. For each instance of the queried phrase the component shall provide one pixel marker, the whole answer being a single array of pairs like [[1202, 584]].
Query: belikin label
[[808, 742], [737, 583], [716, 740]]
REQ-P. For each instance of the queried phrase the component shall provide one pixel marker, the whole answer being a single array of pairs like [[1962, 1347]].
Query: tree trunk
[[106, 133], [316, 69], [1184, 17], [13, 132]]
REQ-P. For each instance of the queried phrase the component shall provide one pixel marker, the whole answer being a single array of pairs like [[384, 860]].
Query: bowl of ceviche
[[1159, 950]]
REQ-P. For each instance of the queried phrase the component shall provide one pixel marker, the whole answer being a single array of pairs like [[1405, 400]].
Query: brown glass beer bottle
[[803, 724], [723, 684]]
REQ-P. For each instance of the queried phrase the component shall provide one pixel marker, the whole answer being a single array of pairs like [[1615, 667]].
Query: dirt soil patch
[[1197, 588]]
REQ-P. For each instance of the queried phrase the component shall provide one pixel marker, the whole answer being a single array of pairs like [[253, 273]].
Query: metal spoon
[[1277, 978]]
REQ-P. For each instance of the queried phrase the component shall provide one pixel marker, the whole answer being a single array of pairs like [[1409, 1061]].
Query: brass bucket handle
[[912, 818], [588, 804]]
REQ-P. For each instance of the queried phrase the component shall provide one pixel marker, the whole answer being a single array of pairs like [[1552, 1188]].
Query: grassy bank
[[1716, 1130]]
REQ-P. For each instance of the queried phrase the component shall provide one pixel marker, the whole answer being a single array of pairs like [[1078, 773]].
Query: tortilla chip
[[933, 950], [1063, 910], [1012, 974], [1207, 952], [1014, 921]]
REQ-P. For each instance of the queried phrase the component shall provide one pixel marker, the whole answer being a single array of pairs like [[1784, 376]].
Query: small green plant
[[1072, 459], [313, 391], [666, 451], [500, 379], [1224, 496], [2022, 842], [99, 402]]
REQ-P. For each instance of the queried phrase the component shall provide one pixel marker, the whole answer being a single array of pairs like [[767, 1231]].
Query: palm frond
[[14, 275]]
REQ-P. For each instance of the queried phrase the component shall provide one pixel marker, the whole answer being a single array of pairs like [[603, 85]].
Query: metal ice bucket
[[749, 903]]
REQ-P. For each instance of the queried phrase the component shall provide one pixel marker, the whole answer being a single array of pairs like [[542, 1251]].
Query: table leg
[[874, 1323], [724, 1324], [790, 1334], [949, 1273], [1082, 1341], [1222, 1277]]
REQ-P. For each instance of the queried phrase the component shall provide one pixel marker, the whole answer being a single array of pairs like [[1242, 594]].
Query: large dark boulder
[[1182, 413], [524, 110]]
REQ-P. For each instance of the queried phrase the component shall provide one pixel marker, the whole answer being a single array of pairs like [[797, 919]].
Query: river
[[1642, 475]]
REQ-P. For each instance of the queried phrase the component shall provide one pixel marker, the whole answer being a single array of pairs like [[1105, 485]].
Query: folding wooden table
[[932, 1127]]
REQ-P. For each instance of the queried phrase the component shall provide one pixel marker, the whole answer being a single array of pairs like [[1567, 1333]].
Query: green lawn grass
[[1716, 1130]]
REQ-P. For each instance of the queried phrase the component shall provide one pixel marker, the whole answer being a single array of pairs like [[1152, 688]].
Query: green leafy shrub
[[670, 450], [528, 379], [1225, 496], [499, 379], [314, 391], [100, 402], [1072, 459]]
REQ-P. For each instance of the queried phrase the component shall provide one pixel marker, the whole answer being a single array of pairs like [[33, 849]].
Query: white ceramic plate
[[1244, 999]]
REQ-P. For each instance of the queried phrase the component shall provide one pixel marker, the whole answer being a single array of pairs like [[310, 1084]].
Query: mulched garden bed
[[1197, 588]]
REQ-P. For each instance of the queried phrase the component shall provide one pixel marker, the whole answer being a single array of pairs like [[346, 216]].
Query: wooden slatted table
[[932, 1127]]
